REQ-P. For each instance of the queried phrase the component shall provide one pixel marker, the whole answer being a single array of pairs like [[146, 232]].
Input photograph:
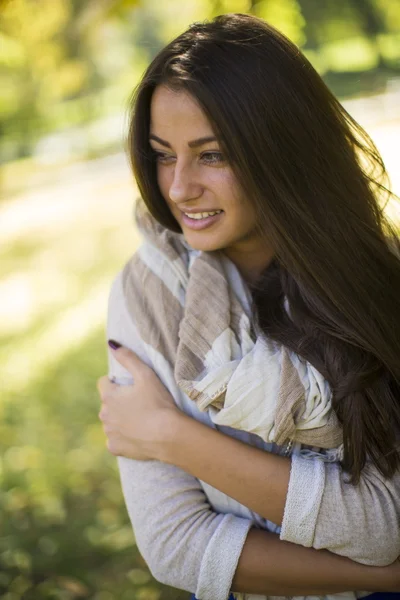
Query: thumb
[[127, 358]]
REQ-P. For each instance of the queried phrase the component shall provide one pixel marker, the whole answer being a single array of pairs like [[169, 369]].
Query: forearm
[[259, 480], [270, 566], [256, 479], [361, 522], [175, 529]]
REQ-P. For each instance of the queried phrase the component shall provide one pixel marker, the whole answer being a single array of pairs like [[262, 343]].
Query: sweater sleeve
[[184, 542], [361, 522]]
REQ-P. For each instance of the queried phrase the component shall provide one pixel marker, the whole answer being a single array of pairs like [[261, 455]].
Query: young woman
[[262, 396]]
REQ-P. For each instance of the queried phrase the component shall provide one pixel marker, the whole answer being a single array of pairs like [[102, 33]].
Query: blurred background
[[67, 69]]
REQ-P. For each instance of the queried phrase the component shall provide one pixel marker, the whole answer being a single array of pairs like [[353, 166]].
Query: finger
[[108, 391], [113, 447], [102, 382], [118, 447], [108, 429], [105, 387], [128, 359], [103, 413], [114, 443]]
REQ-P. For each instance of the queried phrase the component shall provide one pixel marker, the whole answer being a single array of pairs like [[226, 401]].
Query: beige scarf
[[186, 309]]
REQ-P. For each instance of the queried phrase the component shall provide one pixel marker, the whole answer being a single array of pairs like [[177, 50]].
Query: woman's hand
[[137, 419]]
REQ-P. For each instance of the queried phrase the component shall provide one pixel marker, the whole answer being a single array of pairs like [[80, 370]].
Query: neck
[[250, 265]]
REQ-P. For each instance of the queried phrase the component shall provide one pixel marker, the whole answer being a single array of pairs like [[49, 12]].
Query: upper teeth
[[202, 215]]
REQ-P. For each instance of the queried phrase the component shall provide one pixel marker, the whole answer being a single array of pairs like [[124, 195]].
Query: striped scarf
[[185, 309]]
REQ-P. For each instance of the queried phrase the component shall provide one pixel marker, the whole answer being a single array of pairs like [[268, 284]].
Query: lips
[[202, 215], [201, 222], [200, 210]]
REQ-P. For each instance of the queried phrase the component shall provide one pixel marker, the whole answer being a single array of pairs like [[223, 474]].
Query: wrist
[[386, 579], [376, 579], [170, 427]]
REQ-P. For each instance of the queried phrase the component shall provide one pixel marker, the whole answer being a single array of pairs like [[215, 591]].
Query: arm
[[176, 531], [189, 546], [308, 497], [266, 560]]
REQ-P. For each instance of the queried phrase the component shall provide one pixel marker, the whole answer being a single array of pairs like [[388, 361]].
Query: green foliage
[[61, 60], [285, 15], [231, 6], [64, 528], [55, 52], [354, 54], [61, 505]]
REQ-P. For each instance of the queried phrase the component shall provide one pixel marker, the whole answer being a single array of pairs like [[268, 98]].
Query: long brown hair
[[314, 177]]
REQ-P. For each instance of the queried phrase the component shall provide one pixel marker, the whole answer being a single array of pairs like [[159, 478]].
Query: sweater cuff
[[303, 500], [221, 558]]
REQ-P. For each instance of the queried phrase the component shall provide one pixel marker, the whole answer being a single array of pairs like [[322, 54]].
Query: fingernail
[[113, 344]]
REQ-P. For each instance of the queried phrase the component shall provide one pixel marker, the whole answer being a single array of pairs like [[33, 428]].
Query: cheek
[[243, 215], [232, 191], [237, 203]]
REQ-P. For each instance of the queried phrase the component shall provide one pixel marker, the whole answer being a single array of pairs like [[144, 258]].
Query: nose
[[184, 185]]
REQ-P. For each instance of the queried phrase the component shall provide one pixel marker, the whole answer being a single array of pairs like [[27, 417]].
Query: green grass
[[64, 528]]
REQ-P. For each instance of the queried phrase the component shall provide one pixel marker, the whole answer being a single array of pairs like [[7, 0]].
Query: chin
[[203, 245]]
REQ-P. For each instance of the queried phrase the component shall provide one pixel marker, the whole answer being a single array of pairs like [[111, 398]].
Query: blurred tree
[[63, 63], [230, 6], [352, 35], [95, 12], [373, 24], [48, 57], [36, 68], [286, 15]]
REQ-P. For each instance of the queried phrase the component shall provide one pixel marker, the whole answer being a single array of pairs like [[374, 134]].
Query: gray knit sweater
[[191, 535]]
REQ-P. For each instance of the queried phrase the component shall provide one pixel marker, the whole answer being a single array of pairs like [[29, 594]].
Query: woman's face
[[196, 180]]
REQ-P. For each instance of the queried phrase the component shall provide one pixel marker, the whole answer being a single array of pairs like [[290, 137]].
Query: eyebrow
[[192, 144]]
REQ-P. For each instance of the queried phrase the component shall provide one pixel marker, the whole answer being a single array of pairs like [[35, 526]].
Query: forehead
[[177, 111]]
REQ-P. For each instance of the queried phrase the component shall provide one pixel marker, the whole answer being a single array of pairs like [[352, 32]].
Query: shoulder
[[119, 317], [124, 325], [146, 301]]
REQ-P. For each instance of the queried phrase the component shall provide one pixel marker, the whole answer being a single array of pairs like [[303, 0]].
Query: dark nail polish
[[113, 344]]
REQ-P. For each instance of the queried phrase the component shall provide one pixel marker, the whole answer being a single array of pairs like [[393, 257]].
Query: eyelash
[[218, 157]]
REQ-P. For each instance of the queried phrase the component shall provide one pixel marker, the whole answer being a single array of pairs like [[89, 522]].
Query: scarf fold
[[185, 308]]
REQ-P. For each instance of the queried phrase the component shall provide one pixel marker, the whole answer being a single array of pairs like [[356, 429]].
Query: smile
[[202, 215], [201, 220]]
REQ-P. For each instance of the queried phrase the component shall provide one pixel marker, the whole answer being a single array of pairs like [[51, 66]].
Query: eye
[[162, 157], [213, 157]]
